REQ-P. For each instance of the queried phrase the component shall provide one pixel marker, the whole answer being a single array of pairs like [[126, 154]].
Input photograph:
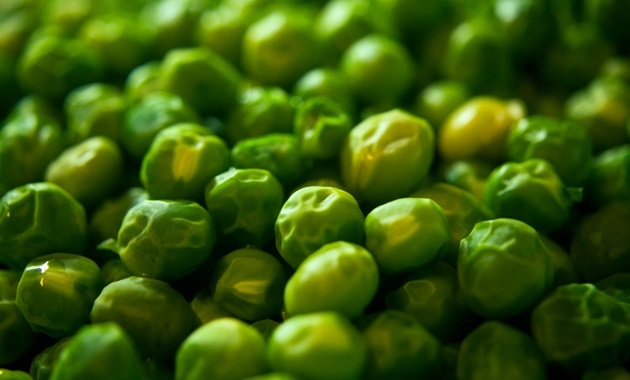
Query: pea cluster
[[314, 189]]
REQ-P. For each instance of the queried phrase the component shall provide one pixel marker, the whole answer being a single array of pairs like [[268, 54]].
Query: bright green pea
[[221, 29], [260, 111], [341, 277], [379, 69], [145, 119], [90, 171], [322, 345], [249, 283], [432, 296], [387, 156], [314, 216], [100, 352], [406, 233], [278, 153], [495, 350], [152, 313], [439, 99], [165, 239], [143, 80], [532, 192], [95, 109], [244, 203], [37, 219], [56, 293], [503, 268], [16, 336], [6, 374], [399, 347], [609, 176], [581, 328], [181, 161], [202, 78], [224, 349], [326, 82], [321, 127]]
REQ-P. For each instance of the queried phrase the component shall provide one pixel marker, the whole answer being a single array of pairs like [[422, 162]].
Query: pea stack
[[313, 189]]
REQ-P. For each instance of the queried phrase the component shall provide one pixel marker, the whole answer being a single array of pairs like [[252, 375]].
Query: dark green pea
[[279, 48], [105, 220], [56, 293], [503, 268], [8, 80], [6, 374], [205, 308], [321, 127], [202, 78], [8, 284], [314, 216], [602, 107], [611, 373], [387, 156], [259, 111], [145, 119], [399, 347], [266, 327], [152, 313], [143, 80], [379, 69], [495, 350], [461, 209], [532, 192], [16, 336], [439, 99], [609, 176], [273, 376], [37, 219], [95, 109], [224, 349], [330, 348], [406, 234], [278, 153], [326, 82], [99, 351], [581, 328], [44, 362], [244, 204], [432, 296], [52, 66], [113, 270], [564, 269], [341, 277], [617, 286], [181, 161], [90, 171], [165, 239], [564, 144], [610, 19], [600, 244], [470, 175], [249, 284]]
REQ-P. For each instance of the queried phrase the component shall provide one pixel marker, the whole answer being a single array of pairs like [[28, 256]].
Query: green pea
[[581, 328], [202, 78], [273, 376], [399, 347], [182, 159], [530, 191], [113, 270], [564, 144], [249, 283], [378, 68], [105, 219], [470, 175], [279, 48], [221, 29], [205, 308], [503, 268], [16, 336], [244, 203], [44, 362], [8, 284], [154, 315], [341, 277], [330, 348], [224, 349], [321, 127], [387, 156], [99, 351], [56, 293], [90, 171], [95, 109], [37, 219], [165, 239], [314, 216], [278, 153], [564, 269], [433, 297], [406, 233], [143, 80], [439, 99], [266, 327], [6, 374], [326, 82], [617, 286], [260, 111], [494, 350], [609, 176], [145, 119]]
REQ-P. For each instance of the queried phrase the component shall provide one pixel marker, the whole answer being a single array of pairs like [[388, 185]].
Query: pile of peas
[[314, 189]]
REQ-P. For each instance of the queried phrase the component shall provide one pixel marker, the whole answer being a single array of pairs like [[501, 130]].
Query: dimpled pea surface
[[314, 216]]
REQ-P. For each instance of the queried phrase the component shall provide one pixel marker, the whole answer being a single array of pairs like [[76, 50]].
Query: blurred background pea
[[142, 80], [468, 174], [327, 82], [16, 335], [609, 177], [438, 99], [44, 361]]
